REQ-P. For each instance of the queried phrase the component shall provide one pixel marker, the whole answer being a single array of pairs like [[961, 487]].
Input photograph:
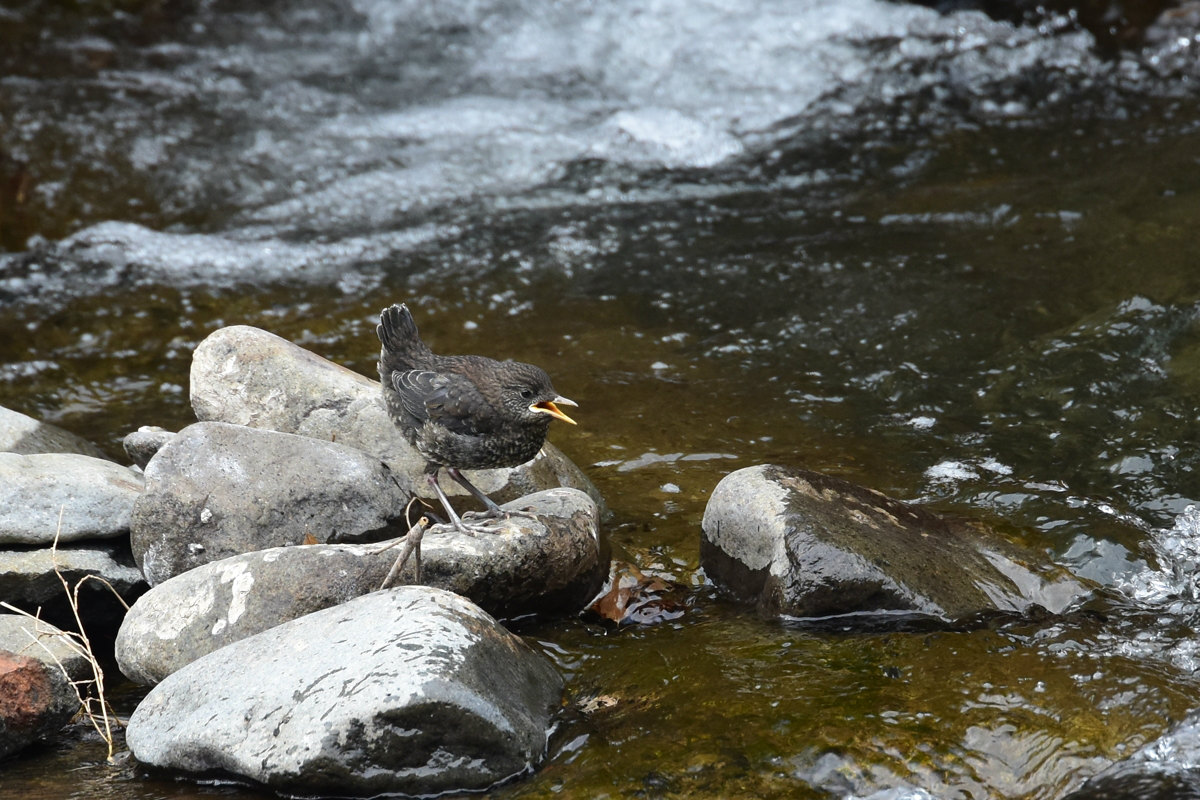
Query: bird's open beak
[[550, 407]]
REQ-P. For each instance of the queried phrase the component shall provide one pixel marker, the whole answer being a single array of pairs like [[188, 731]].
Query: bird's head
[[528, 393]]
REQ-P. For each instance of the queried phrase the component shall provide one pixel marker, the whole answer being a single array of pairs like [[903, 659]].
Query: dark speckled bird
[[463, 412]]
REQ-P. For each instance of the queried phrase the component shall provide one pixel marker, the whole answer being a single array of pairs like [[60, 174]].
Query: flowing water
[[945, 256]]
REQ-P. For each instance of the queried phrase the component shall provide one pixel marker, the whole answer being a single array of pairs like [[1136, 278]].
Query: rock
[[95, 496], [38, 639], [1167, 768], [551, 564], [217, 490], [413, 690], [36, 697], [247, 376], [28, 581], [142, 444], [805, 544], [27, 436]]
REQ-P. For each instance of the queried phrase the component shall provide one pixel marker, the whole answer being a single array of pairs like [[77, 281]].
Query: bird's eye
[[527, 394]]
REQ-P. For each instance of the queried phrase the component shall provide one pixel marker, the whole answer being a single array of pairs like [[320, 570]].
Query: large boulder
[[37, 665], [413, 690], [217, 490], [546, 560], [247, 376], [29, 580], [800, 543], [23, 434], [95, 498]]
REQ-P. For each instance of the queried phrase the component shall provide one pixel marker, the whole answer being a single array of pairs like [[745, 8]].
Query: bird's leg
[[455, 520], [494, 511]]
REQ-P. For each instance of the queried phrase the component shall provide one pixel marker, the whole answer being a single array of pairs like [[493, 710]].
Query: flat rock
[[247, 376], [804, 544], [413, 690], [37, 665], [23, 434], [549, 563], [217, 490], [28, 581], [95, 497]]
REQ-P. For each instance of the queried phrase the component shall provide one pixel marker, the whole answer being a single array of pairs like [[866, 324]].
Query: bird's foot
[[488, 525], [489, 514]]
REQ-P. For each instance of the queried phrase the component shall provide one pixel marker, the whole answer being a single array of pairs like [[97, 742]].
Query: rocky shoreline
[[251, 547]]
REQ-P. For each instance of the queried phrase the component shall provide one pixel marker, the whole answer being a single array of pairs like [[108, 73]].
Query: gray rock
[[25, 435], [805, 544], [142, 444], [550, 563], [217, 490], [247, 376], [37, 665], [413, 690], [28, 581], [36, 638], [95, 496]]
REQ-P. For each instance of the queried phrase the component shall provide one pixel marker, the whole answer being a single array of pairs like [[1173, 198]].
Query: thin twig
[[80, 644], [412, 543]]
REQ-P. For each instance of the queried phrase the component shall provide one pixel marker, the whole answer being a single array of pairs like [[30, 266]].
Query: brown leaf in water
[[631, 596]]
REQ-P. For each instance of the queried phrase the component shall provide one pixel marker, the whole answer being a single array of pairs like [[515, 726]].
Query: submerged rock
[[413, 690], [28, 581], [805, 544], [95, 498], [23, 434], [37, 665], [547, 563], [1167, 768], [248, 376], [217, 490]]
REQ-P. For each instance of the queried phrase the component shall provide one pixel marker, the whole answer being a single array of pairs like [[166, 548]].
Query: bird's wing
[[445, 399]]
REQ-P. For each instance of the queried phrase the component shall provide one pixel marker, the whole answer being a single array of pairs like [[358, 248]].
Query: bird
[[463, 412]]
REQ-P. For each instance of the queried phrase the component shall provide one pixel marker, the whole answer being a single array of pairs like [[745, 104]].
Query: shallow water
[[942, 256]]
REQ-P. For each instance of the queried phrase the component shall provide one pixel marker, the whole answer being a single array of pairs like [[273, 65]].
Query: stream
[[946, 256]]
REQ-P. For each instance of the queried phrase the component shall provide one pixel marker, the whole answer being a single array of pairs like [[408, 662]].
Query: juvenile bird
[[463, 412]]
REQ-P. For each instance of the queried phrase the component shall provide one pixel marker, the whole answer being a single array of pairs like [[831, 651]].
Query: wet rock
[[248, 376], [805, 544], [217, 490], [95, 497], [413, 690], [29, 582], [37, 665], [25, 435], [1165, 769], [142, 444], [550, 563]]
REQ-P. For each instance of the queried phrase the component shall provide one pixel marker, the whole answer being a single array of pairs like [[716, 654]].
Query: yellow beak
[[549, 407]]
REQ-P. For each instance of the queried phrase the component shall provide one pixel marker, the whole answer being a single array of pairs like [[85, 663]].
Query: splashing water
[[1175, 583]]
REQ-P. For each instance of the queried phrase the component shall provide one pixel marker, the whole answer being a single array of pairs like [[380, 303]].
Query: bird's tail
[[402, 345]]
